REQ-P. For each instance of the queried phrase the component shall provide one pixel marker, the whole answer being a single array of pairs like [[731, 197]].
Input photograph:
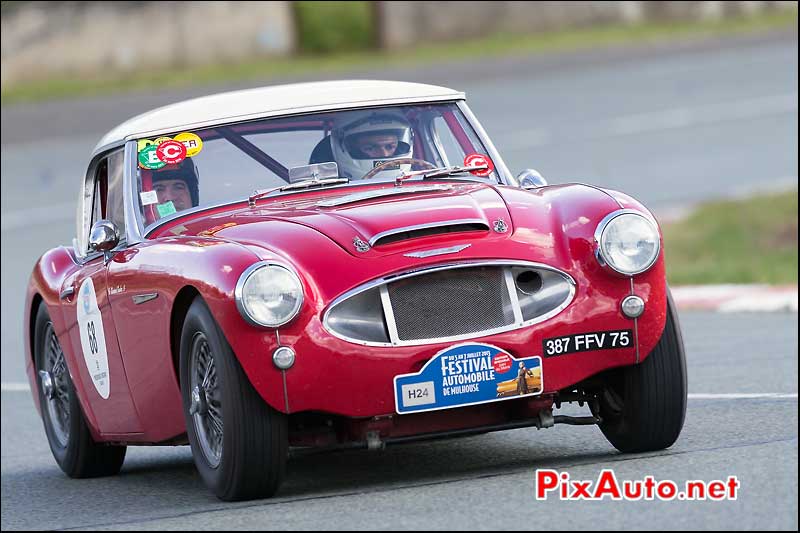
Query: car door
[[101, 371]]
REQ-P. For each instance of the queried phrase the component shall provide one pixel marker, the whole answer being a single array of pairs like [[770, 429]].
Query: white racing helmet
[[353, 162]]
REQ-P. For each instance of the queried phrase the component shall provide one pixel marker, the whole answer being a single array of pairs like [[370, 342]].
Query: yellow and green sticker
[[192, 142], [148, 157]]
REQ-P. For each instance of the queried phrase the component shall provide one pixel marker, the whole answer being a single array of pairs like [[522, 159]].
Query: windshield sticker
[[468, 374], [171, 152], [473, 160], [162, 140], [93, 338], [148, 158], [166, 209], [192, 142], [144, 143], [148, 197]]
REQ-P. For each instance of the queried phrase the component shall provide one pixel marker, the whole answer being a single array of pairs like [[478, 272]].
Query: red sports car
[[340, 265]]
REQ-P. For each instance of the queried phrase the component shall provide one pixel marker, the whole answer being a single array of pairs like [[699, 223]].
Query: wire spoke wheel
[[206, 404], [58, 403]]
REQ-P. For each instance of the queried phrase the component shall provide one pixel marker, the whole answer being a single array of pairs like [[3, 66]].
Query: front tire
[[643, 407], [239, 443], [78, 455]]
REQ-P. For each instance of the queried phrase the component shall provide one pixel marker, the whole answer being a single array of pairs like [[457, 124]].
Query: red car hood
[[351, 214]]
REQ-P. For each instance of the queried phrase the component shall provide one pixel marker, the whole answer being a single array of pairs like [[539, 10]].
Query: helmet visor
[[380, 144]]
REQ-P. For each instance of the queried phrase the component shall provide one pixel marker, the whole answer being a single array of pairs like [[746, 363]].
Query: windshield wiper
[[451, 171], [300, 185], [437, 172]]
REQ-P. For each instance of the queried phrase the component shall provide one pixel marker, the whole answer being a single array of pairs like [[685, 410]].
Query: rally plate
[[467, 374]]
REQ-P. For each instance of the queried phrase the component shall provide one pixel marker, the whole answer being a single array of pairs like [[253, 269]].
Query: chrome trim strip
[[448, 266], [285, 392], [437, 143], [512, 293], [598, 233], [388, 313], [143, 298], [380, 193], [635, 329], [134, 224], [442, 224], [438, 251], [240, 289]]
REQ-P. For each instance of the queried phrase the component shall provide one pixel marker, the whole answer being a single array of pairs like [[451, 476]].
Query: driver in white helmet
[[361, 141]]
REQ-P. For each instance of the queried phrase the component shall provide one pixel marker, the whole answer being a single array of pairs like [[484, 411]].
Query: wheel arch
[[180, 307], [36, 301]]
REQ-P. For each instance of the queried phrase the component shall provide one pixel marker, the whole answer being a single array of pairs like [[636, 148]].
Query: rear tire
[[78, 455], [643, 407], [239, 443]]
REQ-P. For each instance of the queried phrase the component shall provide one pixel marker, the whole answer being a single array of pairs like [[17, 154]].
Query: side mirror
[[104, 236], [530, 179]]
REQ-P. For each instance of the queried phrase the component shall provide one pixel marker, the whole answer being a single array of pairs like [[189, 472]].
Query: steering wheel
[[401, 161]]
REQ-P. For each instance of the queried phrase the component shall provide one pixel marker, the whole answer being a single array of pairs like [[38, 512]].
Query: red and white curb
[[736, 298]]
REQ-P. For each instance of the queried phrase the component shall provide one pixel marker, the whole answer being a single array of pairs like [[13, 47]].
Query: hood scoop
[[426, 230]]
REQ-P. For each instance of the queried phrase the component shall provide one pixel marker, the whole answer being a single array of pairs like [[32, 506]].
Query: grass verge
[[498, 45], [736, 241]]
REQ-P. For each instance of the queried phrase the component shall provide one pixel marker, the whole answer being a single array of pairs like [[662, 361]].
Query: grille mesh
[[450, 303]]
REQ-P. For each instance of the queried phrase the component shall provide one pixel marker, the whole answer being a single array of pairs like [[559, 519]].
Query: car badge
[[500, 226], [438, 251], [360, 245]]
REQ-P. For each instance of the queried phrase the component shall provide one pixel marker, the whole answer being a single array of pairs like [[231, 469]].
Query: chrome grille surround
[[407, 325]]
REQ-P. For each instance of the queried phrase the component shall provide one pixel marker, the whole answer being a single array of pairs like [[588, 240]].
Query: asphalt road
[[671, 125], [483, 482]]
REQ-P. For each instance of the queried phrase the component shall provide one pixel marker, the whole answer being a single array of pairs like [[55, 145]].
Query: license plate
[[467, 374], [587, 342]]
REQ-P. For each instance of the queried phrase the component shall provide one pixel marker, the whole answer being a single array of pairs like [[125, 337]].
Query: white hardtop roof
[[277, 100]]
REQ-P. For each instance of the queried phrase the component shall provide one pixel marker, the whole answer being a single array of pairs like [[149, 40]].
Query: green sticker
[[165, 209], [148, 158]]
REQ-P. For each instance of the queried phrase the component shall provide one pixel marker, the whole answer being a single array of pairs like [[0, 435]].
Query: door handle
[[66, 293]]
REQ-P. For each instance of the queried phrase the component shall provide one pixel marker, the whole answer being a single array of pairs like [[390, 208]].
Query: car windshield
[[205, 167]]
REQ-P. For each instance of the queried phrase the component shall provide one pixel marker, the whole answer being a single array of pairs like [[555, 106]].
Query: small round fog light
[[283, 357], [632, 306]]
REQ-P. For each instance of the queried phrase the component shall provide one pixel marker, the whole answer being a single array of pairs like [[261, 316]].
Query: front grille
[[450, 303]]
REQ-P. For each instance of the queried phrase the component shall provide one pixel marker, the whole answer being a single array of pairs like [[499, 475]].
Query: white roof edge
[[292, 100]]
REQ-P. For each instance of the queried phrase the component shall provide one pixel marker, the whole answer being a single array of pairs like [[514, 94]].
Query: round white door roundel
[[93, 338]]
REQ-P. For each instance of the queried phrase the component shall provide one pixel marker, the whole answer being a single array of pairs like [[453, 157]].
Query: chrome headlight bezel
[[604, 257], [248, 274]]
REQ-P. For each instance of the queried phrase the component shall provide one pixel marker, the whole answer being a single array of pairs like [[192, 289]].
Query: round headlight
[[628, 242], [269, 295]]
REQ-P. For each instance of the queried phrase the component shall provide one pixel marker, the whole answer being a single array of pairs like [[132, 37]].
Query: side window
[[115, 210], [102, 198]]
